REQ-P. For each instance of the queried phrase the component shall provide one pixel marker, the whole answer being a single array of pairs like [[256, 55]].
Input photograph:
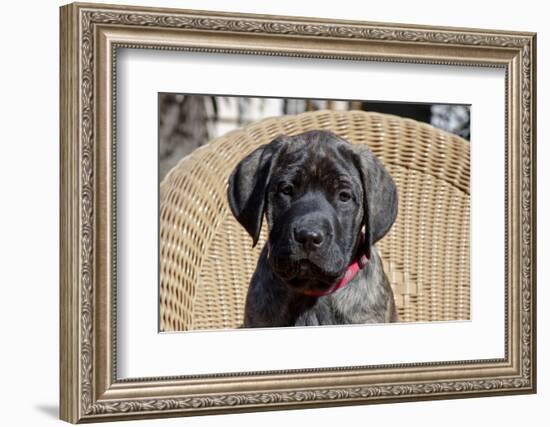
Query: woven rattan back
[[207, 259]]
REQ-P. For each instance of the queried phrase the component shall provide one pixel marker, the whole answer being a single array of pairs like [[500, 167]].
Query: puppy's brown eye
[[286, 189], [344, 196]]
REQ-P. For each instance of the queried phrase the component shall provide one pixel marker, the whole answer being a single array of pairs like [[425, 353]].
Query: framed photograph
[[268, 212]]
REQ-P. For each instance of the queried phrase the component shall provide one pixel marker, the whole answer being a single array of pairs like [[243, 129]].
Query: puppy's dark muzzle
[[304, 250], [310, 239], [311, 235]]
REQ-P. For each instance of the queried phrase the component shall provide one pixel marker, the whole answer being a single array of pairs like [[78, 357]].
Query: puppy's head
[[317, 192]]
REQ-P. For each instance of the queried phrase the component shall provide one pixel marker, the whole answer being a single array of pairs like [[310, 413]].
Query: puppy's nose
[[309, 238]]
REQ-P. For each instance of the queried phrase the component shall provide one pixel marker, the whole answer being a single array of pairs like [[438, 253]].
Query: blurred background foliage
[[188, 121]]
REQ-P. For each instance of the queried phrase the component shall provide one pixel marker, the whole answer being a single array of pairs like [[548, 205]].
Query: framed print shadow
[[268, 212]]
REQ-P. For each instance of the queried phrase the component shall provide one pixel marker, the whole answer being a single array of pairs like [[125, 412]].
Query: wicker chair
[[207, 259]]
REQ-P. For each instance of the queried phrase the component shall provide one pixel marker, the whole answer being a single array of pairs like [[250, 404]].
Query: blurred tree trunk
[[182, 128]]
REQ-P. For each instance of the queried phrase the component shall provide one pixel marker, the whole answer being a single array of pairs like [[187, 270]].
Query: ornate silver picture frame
[[91, 37]]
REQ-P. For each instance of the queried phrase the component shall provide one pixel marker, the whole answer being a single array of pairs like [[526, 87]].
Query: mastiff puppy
[[326, 203]]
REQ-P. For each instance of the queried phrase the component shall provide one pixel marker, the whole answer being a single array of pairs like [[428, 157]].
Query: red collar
[[351, 272]]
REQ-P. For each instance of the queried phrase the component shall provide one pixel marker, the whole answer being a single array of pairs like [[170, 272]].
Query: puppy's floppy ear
[[379, 195], [248, 184]]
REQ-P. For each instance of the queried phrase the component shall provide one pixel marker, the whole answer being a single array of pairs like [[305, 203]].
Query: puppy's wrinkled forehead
[[316, 156]]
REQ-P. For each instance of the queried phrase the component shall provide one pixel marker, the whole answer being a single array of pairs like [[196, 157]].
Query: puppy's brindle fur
[[318, 193]]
